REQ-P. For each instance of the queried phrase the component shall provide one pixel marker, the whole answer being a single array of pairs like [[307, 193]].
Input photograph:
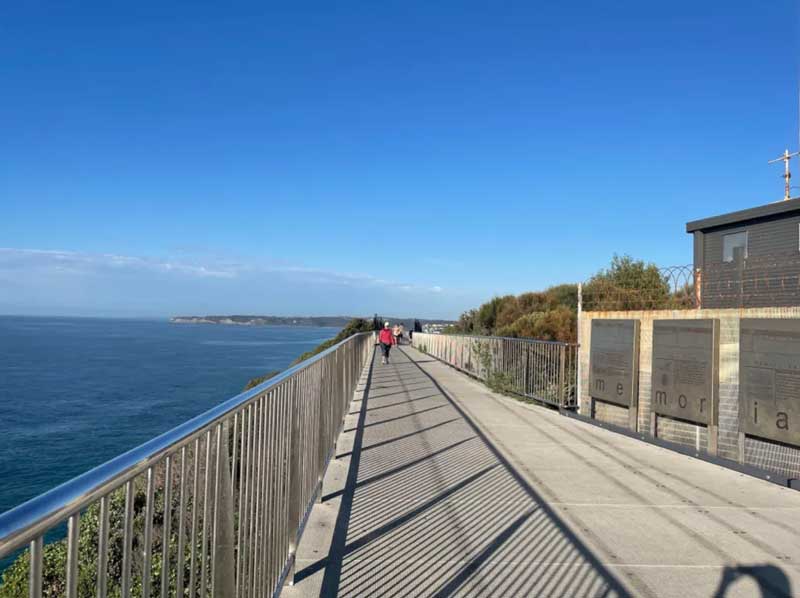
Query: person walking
[[386, 339], [396, 333]]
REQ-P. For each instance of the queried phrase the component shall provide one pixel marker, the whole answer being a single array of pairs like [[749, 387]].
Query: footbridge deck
[[442, 487]]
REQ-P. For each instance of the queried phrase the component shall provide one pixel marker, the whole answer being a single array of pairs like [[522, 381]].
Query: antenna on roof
[[786, 175]]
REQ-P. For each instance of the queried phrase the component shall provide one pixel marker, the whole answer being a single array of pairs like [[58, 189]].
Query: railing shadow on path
[[431, 507]]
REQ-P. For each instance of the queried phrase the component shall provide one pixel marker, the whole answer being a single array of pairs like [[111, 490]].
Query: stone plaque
[[685, 358], [614, 361], [769, 378]]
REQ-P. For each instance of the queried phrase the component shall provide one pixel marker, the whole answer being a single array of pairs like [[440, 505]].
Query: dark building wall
[[769, 277], [770, 237]]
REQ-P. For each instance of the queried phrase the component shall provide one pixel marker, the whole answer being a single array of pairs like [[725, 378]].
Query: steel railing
[[214, 507], [545, 371]]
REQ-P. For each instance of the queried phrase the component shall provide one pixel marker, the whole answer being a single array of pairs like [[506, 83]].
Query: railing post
[[578, 349], [562, 392], [325, 424], [294, 477], [223, 582]]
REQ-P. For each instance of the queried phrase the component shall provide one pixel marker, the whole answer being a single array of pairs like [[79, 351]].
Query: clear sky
[[412, 158]]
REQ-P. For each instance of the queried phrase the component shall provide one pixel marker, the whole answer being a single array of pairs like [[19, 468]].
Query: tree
[[627, 284], [550, 315]]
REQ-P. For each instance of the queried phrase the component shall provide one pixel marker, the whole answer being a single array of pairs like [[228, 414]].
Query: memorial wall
[[722, 381]]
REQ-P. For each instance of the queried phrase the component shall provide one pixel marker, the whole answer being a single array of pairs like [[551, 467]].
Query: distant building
[[749, 258], [434, 328]]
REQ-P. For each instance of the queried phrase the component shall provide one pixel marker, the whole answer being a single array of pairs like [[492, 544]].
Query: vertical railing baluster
[[560, 349], [73, 532], [218, 465], [180, 573], [256, 508], [35, 575], [264, 489], [294, 474], [263, 577], [281, 518], [268, 581], [148, 534], [240, 500], [102, 548], [247, 449], [206, 517], [223, 564], [167, 528], [195, 507], [127, 537], [235, 454]]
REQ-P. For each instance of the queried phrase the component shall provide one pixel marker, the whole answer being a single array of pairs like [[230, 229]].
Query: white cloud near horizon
[[61, 282]]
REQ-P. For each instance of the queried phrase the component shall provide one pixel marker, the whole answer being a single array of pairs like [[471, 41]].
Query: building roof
[[771, 209]]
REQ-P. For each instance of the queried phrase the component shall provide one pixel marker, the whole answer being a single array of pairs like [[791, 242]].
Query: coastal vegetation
[[253, 382], [552, 314], [354, 326]]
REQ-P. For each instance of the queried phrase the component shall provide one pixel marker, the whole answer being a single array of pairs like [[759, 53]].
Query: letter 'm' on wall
[[614, 361]]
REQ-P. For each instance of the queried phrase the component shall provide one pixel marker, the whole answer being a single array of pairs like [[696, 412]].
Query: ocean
[[75, 392]]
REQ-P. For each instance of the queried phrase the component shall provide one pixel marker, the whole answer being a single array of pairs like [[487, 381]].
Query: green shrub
[[259, 379]]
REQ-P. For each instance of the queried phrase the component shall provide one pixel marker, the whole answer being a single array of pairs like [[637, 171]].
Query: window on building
[[733, 245]]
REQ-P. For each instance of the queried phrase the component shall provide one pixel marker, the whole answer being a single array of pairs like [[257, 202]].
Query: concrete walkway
[[444, 488]]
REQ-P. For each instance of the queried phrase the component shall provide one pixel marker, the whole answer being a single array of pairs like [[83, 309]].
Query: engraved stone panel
[[685, 356], [769, 378], [614, 357]]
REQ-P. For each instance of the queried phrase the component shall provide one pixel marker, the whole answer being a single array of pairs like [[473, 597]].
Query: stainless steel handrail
[[313, 396]]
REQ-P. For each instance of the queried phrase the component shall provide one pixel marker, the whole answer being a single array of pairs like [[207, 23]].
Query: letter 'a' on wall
[[614, 362], [769, 378], [686, 369]]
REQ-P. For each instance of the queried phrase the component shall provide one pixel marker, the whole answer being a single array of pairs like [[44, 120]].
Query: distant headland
[[328, 321]]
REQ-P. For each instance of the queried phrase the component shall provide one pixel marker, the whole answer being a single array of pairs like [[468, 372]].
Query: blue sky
[[407, 158]]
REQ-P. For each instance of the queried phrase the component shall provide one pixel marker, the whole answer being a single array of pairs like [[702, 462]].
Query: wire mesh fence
[[757, 281], [672, 287]]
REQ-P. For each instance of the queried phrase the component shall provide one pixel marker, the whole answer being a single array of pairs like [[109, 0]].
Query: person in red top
[[387, 339]]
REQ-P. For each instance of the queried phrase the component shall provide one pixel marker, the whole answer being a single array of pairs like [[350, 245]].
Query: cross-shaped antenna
[[786, 175]]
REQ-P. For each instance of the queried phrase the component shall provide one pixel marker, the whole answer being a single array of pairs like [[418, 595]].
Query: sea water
[[75, 392]]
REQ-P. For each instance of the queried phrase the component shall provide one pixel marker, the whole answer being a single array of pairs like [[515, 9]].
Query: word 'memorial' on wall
[[769, 379]]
